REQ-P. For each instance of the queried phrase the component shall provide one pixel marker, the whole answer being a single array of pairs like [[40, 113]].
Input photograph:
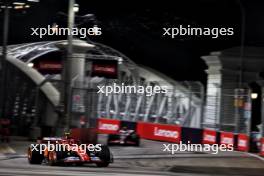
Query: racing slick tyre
[[137, 142], [34, 157], [105, 157], [112, 137], [134, 137], [54, 157]]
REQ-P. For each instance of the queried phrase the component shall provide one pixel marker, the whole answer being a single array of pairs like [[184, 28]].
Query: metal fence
[[228, 110], [181, 104], [185, 104]]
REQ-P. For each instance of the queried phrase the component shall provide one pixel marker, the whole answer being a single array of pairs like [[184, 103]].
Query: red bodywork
[[72, 148]]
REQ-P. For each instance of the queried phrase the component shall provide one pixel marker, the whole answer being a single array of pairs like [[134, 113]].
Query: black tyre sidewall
[[36, 157], [105, 156]]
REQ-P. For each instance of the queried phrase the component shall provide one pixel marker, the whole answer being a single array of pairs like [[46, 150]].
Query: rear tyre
[[109, 142], [112, 137], [137, 142], [105, 157], [34, 157], [136, 139]]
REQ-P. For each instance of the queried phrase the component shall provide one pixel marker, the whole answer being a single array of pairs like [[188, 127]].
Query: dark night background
[[135, 29]]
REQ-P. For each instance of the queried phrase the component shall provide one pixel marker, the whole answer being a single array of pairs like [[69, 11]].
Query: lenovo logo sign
[[105, 68], [166, 133], [242, 143], [160, 132], [108, 126], [227, 140], [210, 138], [105, 126], [50, 66]]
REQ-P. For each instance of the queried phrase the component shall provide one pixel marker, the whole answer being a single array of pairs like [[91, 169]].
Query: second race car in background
[[124, 137]]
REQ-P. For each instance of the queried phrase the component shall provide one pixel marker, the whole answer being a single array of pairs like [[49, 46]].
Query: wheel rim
[[29, 154], [52, 156]]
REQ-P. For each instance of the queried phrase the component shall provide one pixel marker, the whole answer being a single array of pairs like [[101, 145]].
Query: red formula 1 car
[[124, 137], [56, 151]]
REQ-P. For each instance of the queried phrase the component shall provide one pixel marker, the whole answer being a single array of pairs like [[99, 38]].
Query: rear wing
[[51, 139]]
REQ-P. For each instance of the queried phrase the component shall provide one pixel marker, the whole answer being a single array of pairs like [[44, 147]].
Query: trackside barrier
[[209, 136], [227, 138], [159, 132], [174, 133], [242, 143], [262, 147], [108, 126]]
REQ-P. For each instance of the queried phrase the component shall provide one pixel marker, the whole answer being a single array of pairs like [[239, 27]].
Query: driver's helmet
[[67, 135], [71, 141], [63, 141], [124, 128]]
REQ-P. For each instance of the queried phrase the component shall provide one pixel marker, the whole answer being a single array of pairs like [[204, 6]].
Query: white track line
[[6, 149], [256, 156]]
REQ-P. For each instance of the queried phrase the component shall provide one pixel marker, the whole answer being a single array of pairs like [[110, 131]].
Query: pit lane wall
[[175, 133]]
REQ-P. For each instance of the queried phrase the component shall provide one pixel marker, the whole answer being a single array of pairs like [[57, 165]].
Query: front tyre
[[34, 157], [52, 158]]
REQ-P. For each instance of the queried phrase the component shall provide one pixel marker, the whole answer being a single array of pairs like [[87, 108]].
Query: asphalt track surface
[[148, 159]]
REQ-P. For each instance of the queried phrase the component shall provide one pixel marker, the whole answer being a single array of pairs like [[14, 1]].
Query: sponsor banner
[[226, 138], [49, 65], [160, 132], [242, 142], [262, 147], [104, 68], [108, 126], [209, 136]]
